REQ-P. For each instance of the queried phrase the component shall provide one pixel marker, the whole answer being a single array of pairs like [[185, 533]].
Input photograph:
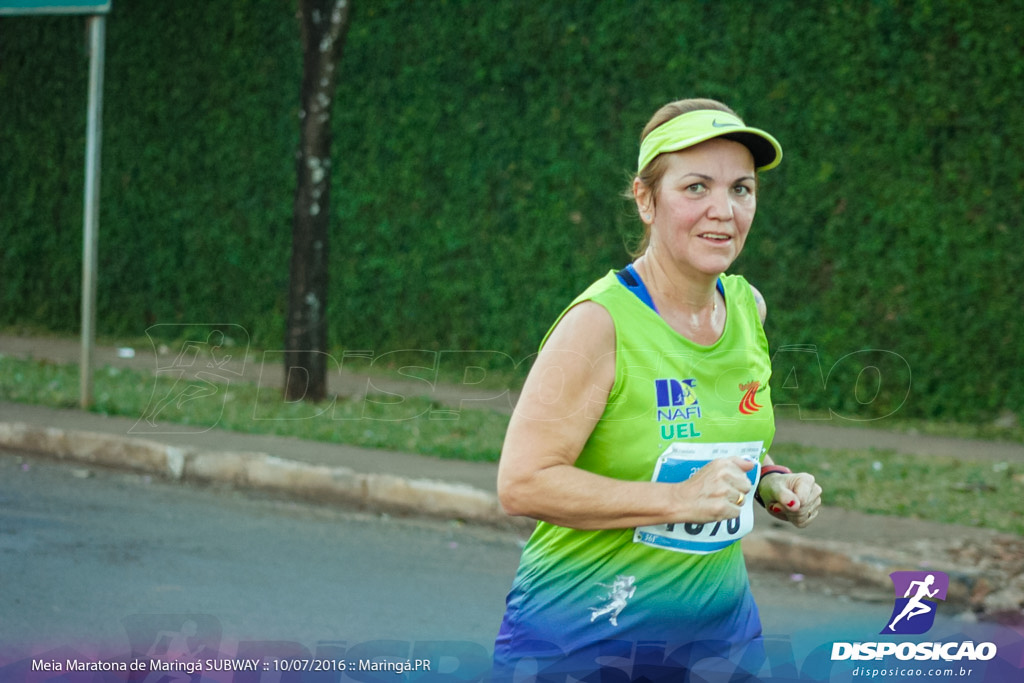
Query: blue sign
[[53, 7]]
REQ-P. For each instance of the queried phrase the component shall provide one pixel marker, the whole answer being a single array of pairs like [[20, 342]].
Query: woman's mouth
[[715, 237]]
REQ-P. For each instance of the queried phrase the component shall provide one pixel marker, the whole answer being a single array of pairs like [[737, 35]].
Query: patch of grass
[[416, 425], [935, 488], [982, 494]]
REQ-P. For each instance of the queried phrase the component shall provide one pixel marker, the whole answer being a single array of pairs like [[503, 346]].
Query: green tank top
[[669, 389], [575, 588]]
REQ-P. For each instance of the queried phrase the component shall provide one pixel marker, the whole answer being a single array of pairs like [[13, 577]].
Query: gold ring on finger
[[742, 497]]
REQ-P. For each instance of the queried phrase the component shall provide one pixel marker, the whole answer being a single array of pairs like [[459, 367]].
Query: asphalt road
[[83, 549], [106, 560]]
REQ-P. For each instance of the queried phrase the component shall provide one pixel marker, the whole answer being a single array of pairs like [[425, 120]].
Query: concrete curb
[[139, 455], [258, 471], [765, 548]]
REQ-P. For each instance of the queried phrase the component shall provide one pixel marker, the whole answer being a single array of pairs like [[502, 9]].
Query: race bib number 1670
[[677, 464]]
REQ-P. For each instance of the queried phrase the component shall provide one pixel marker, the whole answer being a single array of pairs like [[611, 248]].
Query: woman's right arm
[[562, 400]]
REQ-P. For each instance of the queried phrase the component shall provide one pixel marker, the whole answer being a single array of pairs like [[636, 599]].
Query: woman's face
[[704, 206]]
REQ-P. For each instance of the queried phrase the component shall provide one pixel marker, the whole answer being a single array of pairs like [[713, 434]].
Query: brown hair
[[652, 174]]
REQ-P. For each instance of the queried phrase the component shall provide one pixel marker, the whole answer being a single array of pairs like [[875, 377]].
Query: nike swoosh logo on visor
[[716, 124]]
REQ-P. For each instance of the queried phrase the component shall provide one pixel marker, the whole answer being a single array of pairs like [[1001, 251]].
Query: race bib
[[677, 464]]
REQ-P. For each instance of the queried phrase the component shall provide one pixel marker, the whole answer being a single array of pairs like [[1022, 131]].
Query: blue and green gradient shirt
[[586, 599]]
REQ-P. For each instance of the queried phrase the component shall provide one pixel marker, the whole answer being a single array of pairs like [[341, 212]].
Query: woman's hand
[[793, 497], [718, 490]]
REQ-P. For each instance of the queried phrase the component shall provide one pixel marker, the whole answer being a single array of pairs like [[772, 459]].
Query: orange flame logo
[[748, 404]]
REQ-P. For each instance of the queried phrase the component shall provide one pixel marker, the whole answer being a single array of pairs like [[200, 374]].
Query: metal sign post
[[97, 23], [90, 225]]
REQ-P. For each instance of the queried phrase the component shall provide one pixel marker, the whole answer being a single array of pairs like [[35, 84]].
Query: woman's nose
[[721, 206]]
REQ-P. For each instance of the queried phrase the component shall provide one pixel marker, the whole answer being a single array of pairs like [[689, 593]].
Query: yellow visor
[[687, 130]]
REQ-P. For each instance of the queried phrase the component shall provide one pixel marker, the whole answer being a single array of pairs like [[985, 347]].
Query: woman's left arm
[[762, 307]]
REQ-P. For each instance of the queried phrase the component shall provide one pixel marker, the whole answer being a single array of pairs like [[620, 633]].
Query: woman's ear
[[644, 201]]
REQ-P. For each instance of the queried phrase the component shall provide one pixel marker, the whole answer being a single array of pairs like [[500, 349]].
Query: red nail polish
[[791, 503], [777, 509]]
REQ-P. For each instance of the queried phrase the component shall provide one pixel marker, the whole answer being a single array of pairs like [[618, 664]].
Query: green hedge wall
[[480, 152]]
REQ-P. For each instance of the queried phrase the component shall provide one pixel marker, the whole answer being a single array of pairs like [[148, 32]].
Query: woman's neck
[[686, 292], [690, 303]]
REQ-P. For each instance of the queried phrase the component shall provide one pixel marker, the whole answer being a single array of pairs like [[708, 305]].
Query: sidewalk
[[985, 567]]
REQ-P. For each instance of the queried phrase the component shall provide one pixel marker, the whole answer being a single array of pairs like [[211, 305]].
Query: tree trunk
[[324, 25]]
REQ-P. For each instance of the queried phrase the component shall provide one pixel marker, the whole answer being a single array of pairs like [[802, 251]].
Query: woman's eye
[[696, 188], [742, 190]]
